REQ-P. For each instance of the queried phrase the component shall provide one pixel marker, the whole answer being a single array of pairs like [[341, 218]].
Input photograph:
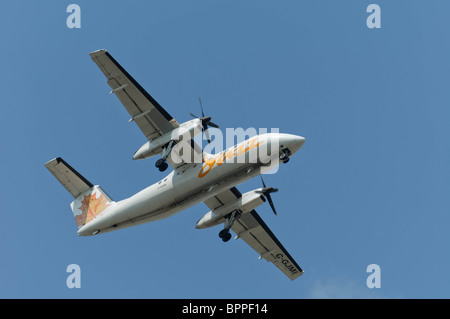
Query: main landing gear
[[229, 221], [284, 155], [161, 164]]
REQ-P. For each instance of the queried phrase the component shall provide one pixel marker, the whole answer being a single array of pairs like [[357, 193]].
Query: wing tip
[[292, 278], [55, 161], [96, 53]]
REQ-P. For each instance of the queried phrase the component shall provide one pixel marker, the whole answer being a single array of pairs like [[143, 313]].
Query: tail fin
[[90, 200]]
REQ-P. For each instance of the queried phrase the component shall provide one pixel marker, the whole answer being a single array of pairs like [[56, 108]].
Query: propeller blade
[[206, 121], [266, 192], [205, 130], [269, 199], [264, 184], [213, 125], [201, 106]]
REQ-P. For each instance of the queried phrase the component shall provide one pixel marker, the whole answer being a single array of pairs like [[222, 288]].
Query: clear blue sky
[[370, 185]]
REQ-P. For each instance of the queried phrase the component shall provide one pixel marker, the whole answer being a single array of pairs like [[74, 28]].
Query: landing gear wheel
[[225, 235], [226, 238], [284, 158], [229, 220], [163, 167], [161, 164]]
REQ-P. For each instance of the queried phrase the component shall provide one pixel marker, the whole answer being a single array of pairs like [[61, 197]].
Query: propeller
[[206, 121], [266, 192]]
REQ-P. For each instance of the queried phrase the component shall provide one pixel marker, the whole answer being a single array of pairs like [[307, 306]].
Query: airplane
[[211, 180]]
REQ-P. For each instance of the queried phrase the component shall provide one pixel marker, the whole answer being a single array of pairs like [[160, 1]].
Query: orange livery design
[[89, 205], [232, 153]]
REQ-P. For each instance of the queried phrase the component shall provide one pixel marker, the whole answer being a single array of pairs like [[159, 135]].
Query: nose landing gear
[[284, 155]]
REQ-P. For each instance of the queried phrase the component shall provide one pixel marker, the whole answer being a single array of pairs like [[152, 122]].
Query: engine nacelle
[[245, 204], [186, 130]]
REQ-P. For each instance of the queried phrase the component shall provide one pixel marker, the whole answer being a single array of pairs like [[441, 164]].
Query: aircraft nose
[[293, 142], [299, 141]]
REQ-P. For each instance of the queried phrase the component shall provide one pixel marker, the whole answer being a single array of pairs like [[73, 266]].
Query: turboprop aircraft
[[196, 176]]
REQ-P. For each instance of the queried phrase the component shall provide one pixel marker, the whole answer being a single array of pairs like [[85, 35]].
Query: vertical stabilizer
[[90, 200]]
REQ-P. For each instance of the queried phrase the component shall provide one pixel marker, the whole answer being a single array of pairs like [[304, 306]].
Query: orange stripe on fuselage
[[219, 159]]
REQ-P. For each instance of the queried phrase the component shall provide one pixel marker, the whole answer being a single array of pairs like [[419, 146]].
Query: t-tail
[[90, 201]]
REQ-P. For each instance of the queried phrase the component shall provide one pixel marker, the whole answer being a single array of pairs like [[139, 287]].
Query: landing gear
[[284, 158], [284, 155], [161, 164], [224, 234]]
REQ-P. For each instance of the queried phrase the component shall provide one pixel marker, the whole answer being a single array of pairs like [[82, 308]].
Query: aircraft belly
[[198, 196], [180, 190]]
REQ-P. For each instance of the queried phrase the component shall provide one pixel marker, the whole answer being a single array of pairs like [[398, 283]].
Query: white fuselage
[[194, 183]]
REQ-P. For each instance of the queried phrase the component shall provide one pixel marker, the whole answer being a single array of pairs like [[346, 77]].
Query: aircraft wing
[[151, 118], [254, 231]]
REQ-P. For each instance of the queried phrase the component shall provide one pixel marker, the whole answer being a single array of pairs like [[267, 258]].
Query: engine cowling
[[244, 204], [154, 147]]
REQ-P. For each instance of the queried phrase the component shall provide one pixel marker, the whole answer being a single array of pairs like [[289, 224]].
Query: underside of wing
[[151, 117], [223, 198], [253, 230]]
